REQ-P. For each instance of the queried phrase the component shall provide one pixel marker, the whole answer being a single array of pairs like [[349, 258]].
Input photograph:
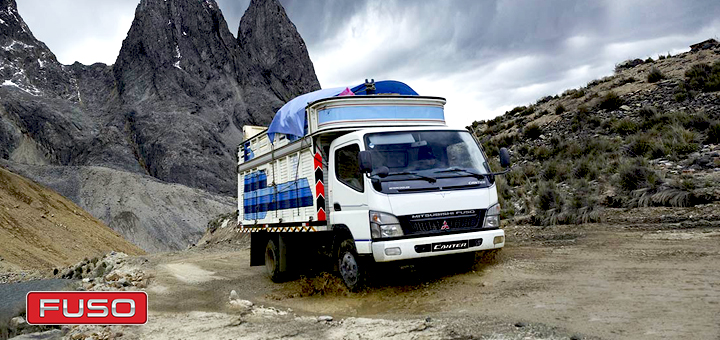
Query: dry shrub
[[655, 75], [532, 131], [636, 175], [587, 214], [625, 127], [664, 196], [610, 101], [713, 134]]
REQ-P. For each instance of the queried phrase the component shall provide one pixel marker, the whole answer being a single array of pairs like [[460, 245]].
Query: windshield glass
[[435, 154]]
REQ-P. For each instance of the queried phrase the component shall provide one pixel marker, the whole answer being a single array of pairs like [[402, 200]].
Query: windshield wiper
[[429, 179], [471, 173]]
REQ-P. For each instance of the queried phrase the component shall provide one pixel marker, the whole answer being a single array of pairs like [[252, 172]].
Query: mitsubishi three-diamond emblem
[[445, 226]]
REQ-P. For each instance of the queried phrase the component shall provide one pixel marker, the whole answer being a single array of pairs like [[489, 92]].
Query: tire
[[350, 269], [271, 261]]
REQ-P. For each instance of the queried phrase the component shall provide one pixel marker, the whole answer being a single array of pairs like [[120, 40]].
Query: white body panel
[[428, 202], [287, 191], [354, 204]]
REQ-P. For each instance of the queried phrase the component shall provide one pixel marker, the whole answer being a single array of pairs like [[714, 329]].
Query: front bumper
[[408, 246]]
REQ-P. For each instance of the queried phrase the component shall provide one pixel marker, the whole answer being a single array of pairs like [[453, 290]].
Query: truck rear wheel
[[349, 266], [272, 261]]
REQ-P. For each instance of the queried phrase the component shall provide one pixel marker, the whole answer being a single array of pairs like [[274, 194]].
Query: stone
[[325, 318], [17, 321], [112, 277], [242, 303]]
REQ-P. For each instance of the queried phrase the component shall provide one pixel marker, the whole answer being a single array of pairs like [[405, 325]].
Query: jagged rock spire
[[273, 43]]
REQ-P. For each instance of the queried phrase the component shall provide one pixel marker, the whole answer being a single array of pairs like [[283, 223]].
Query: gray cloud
[[484, 56]]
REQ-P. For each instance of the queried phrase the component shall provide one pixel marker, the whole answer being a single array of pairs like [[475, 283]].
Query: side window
[[347, 167]]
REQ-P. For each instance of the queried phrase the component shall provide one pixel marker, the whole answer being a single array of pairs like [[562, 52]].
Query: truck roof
[[374, 111]]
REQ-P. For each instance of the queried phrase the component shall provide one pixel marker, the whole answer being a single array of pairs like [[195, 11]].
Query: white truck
[[375, 178]]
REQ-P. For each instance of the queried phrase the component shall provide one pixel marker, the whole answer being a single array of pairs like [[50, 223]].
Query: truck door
[[348, 197]]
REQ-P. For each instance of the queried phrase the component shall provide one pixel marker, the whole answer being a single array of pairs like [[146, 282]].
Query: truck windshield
[[437, 154]]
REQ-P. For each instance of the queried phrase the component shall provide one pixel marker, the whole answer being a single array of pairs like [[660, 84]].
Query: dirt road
[[634, 277]]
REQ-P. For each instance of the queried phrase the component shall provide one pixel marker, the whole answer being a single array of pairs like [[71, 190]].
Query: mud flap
[[282, 250], [258, 241]]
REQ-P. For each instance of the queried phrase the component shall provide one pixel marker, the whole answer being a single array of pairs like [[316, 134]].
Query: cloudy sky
[[485, 57]]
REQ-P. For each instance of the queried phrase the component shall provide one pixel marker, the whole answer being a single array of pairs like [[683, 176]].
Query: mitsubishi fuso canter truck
[[364, 175]]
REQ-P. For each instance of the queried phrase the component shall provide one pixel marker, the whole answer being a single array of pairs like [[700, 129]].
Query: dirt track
[[606, 281]]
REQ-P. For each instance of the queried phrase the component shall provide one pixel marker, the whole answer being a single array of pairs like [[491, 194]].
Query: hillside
[[152, 214], [40, 229], [649, 135]]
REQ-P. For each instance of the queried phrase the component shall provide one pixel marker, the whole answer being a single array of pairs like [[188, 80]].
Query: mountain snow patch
[[178, 57], [12, 45]]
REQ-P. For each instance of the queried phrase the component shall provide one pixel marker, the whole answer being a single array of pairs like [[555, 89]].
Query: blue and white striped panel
[[260, 198]]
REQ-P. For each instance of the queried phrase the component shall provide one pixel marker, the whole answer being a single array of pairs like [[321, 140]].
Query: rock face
[[171, 107], [173, 104], [272, 42], [187, 88]]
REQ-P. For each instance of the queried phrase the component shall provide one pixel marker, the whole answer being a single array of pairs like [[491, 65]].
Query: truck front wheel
[[349, 266], [272, 261]]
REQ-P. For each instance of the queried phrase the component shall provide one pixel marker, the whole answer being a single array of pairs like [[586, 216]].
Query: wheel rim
[[349, 269], [269, 261]]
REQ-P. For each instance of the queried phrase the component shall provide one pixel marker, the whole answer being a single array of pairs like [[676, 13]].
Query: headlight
[[492, 217], [384, 225]]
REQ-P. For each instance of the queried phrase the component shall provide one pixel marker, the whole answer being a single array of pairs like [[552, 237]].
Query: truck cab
[[386, 180]]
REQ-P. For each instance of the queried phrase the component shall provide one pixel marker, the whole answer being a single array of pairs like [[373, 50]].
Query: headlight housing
[[492, 217], [383, 225]]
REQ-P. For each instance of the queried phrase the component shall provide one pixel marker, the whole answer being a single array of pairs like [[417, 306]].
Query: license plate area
[[454, 245]]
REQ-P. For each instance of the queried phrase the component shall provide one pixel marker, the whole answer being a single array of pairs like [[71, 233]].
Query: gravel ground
[[595, 281]]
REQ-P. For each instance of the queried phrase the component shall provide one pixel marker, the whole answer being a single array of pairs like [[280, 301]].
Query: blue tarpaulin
[[387, 86], [290, 119]]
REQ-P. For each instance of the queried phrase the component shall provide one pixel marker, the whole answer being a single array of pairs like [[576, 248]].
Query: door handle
[[337, 207]]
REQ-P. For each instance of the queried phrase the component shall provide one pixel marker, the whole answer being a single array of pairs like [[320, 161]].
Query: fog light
[[496, 240], [393, 251]]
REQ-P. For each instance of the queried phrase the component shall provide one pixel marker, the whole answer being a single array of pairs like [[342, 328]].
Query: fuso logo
[[86, 308]]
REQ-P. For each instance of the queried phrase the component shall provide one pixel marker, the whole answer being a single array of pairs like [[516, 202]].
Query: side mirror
[[365, 162], [504, 157], [381, 172]]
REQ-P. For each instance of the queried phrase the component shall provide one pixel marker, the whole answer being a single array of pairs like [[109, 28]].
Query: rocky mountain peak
[[25, 62], [178, 39], [273, 43]]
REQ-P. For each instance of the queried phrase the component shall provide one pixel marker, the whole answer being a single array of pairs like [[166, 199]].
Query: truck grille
[[442, 221]]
